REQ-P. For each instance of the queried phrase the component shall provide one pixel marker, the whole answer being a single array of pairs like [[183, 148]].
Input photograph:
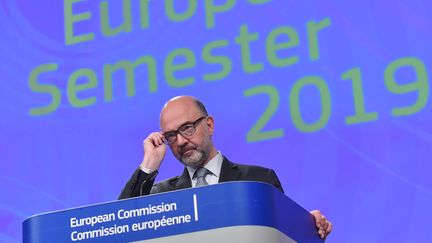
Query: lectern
[[238, 212]]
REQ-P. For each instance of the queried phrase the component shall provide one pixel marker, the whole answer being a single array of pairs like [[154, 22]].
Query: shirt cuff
[[146, 170]]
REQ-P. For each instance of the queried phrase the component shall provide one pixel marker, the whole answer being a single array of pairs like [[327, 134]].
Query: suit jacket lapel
[[183, 181], [229, 171]]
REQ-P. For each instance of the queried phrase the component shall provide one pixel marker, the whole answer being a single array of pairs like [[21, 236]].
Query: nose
[[181, 140]]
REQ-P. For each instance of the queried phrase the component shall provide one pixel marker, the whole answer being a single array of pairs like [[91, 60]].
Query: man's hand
[[323, 225], [154, 151]]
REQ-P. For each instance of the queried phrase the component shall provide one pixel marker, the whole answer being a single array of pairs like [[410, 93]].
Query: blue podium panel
[[231, 212], [249, 234]]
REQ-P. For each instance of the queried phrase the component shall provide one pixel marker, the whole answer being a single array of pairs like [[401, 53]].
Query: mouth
[[188, 152]]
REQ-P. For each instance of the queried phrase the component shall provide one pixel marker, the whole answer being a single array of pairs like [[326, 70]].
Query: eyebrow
[[184, 123]]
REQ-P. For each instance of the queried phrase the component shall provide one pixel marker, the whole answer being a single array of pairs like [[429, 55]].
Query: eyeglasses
[[186, 130]]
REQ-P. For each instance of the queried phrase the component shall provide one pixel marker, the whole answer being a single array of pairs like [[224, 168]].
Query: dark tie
[[200, 175]]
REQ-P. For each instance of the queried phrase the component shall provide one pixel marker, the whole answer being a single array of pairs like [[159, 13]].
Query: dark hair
[[201, 107]]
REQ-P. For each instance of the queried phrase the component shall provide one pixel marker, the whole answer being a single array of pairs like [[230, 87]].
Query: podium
[[228, 212]]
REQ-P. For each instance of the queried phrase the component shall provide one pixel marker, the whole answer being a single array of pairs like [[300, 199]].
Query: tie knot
[[201, 172]]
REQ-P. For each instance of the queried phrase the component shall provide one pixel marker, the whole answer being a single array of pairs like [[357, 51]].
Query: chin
[[196, 160]]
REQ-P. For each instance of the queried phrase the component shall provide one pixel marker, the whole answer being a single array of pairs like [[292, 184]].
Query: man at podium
[[187, 129]]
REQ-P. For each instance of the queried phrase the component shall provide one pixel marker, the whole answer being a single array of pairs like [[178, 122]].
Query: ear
[[210, 124]]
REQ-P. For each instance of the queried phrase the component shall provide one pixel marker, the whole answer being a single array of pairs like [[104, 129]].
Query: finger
[[329, 228], [315, 213], [163, 140], [322, 233], [318, 218], [325, 231], [158, 139], [153, 139], [323, 219], [149, 139]]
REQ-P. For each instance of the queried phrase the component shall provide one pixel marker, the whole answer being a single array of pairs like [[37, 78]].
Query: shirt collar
[[214, 166]]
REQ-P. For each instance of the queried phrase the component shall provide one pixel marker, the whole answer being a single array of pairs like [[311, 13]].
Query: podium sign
[[230, 212]]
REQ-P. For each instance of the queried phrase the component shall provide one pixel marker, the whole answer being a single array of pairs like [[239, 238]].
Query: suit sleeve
[[139, 184], [274, 180]]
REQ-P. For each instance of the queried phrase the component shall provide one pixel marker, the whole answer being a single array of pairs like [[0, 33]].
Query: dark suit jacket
[[142, 183]]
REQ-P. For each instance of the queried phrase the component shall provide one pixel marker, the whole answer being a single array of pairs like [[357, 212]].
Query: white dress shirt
[[214, 166]]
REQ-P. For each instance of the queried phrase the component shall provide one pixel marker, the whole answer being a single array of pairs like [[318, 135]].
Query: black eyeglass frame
[[181, 130]]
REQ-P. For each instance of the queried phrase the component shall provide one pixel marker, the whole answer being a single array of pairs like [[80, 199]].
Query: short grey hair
[[201, 107]]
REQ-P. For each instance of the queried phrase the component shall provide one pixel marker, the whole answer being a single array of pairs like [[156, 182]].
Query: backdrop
[[333, 95]]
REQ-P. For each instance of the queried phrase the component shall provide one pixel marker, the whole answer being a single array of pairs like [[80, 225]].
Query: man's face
[[193, 150]]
